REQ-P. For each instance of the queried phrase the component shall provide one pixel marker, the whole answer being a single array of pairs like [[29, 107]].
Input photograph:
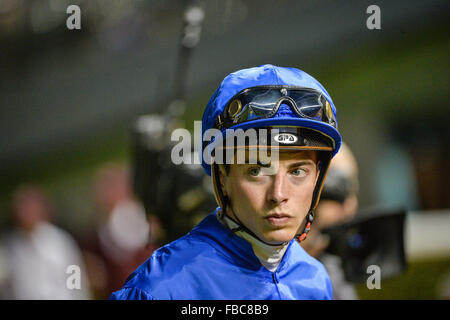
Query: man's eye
[[254, 171], [299, 172]]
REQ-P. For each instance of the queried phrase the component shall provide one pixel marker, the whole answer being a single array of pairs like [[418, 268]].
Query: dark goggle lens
[[308, 104], [256, 104], [253, 104]]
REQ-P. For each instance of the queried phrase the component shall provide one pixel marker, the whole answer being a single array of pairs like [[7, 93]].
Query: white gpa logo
[[286, 138]]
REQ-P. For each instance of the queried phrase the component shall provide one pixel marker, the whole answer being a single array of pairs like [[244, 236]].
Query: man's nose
[[278, 192]]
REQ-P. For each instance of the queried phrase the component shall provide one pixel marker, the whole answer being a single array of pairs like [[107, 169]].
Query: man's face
[[272, 201]]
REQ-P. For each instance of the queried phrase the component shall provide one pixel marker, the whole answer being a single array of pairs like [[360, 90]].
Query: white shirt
[[269, 256], [38, 265]]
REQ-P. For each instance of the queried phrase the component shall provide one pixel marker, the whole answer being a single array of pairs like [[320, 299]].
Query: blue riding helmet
[[272, 97], [269, 76]]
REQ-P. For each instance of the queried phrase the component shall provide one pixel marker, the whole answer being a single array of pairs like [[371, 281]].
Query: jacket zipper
[[274, 278], [275, 281]]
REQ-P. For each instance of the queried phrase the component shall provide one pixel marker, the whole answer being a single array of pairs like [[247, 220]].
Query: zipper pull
[[274, 278]]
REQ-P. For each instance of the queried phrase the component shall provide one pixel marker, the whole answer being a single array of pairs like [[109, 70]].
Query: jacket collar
[[235, 248], [269, 255]]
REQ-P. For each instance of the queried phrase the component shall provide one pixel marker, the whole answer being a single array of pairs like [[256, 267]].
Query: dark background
[[69, 97]]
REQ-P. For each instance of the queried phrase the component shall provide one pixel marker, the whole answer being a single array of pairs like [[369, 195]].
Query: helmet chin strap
[[324, 164], [242, 227]]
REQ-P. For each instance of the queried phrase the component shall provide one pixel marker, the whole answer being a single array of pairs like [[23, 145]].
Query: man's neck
[[269, 256]]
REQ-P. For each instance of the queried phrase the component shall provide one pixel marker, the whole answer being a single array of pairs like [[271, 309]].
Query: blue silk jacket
[[211, 262]]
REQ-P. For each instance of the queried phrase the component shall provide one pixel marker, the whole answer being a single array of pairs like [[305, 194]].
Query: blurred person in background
[[36, 256], [124, 236], [338, 204]]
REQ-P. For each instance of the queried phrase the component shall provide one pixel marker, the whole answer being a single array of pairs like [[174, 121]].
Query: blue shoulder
[[130, 293], [165, 270], [316, 271]]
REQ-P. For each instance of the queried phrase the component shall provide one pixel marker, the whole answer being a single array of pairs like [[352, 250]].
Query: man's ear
[[350, 206]]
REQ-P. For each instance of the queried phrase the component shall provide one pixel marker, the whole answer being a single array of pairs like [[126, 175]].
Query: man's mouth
[[278, 219]]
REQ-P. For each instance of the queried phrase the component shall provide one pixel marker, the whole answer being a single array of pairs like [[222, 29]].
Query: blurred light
[[151, 124], [194, 15]]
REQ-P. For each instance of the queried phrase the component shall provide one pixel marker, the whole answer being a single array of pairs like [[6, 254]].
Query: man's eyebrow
[[265, 165], [301, 163]]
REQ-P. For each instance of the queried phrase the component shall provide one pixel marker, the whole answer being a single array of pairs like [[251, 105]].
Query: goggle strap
[[218, 194]]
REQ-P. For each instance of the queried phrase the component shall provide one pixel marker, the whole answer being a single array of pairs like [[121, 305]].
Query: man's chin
[[278, 236]]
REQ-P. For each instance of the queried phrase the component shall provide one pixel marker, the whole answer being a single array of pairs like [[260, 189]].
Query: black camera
[[374, 237]]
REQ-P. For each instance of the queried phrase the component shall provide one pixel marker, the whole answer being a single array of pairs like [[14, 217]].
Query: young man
[[248, 248]]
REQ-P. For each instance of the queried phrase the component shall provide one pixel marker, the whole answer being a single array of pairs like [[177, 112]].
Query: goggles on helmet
[[263, 102]]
